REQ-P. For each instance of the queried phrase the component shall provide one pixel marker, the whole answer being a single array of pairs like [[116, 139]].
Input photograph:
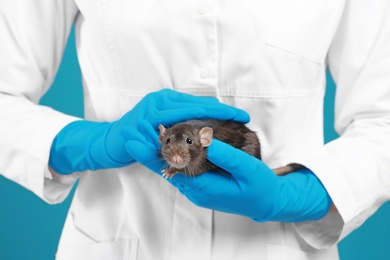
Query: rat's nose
[[176, 158]]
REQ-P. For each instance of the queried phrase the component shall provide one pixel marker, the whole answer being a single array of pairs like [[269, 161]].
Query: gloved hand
[[85, 145], [251, 189]]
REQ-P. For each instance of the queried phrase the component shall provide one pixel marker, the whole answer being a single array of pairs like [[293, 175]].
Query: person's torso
[[267, 57]]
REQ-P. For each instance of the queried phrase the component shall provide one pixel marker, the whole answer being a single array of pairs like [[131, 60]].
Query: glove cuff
[[80, 146], [302, 197]]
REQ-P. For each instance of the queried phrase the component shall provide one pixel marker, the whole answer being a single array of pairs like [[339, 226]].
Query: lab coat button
[[202, 9], [204, 73]]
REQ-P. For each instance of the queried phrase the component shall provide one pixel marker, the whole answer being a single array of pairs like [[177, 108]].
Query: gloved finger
[[169, 117], [168, 98], [179, 97], [214, 109], [210, 190], [184, 182], [173, 116], [239, 163], [131, 134], [225, 112], [150, 134], [144, 133], [208, 184], [145, 155]]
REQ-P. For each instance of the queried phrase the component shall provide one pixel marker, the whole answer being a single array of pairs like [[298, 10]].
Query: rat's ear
[[162, 132], [206, 136]]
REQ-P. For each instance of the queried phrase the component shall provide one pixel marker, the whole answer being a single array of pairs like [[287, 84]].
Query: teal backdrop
[[30, 228]]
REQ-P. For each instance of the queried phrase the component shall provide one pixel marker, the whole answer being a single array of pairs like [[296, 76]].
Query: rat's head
[[183, 144]]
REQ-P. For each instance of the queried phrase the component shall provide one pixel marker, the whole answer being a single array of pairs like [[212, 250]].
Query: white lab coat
[[267, 57]]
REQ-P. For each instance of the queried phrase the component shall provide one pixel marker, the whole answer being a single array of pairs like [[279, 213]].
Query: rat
[[184, 145]]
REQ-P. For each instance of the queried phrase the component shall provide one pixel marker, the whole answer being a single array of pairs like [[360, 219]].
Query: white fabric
[[267, 57]]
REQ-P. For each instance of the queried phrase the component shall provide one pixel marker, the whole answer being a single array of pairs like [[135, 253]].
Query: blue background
[[30, 228]]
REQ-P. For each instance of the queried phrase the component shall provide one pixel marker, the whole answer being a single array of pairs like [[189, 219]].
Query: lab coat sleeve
[[33, 37], [355, 168]]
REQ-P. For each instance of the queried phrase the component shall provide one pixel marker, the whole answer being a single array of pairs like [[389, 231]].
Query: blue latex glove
[[85, 145], [251, 189]]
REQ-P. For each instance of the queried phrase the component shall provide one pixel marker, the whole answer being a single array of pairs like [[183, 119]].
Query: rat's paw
[[168, 173]]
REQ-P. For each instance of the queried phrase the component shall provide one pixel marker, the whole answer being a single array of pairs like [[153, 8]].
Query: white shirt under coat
[[267, 57]]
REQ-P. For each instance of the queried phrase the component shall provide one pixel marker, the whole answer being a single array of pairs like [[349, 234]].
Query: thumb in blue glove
[[85, 145], [251, 189]]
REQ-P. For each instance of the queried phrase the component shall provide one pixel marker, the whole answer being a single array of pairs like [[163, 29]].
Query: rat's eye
[[189, 141], [168, 141]]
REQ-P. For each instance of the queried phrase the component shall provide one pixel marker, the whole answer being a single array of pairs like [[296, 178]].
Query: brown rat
[[184, 145]]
